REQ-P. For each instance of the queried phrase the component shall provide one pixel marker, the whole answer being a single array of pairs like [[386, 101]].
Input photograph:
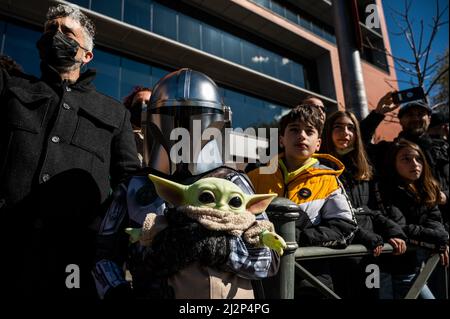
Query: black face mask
[[57, 50]]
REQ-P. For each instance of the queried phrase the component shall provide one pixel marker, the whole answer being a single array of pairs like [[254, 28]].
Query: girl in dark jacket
[[413, 193], [342, 139]]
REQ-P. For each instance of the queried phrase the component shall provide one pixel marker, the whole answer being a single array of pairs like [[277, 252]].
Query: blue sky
[[420, 9]]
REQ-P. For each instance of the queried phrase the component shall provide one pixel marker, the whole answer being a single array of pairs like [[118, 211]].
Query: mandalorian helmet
[[186, 123]]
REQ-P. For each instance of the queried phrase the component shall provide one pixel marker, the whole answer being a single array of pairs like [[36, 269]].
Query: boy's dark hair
[[306, 114]]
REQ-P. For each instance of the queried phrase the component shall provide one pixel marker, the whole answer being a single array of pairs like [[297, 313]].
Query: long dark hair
[[426, 188], [362, 169]]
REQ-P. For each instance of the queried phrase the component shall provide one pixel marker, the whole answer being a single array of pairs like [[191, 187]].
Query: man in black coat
[[63, 147]]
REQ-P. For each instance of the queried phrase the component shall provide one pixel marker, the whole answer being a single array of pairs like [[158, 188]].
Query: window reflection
[[212, 40], [111, 8], [20, 44], [263, 113], [81, 3], [164, 21], [117, 75], [108, 68], [160, 19], [134, 73], [189, 31], [231, 48], [137, 12]]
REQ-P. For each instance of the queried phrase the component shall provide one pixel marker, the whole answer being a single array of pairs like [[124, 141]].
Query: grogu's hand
[[273, 241], [135, 234]]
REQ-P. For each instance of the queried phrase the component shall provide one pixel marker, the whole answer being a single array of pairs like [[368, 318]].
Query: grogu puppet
[[217, 204]]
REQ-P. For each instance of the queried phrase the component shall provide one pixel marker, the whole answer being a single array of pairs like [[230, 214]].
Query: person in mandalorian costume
[[186, 120]]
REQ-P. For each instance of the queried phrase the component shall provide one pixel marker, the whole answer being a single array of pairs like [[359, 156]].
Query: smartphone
[[408, 95]]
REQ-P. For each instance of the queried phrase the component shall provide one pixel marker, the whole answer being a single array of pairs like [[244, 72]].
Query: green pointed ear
[[258, 203], [171, 192]]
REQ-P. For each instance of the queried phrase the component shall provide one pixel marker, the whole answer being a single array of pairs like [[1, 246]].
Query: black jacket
[[422, 224], [374, 228], [419, 222], [62, 148], [436, 150]]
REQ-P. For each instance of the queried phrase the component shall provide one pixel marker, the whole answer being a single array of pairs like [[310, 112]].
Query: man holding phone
[[414, 118]]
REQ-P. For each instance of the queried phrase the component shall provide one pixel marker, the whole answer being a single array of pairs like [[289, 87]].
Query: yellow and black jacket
[[328, 219]]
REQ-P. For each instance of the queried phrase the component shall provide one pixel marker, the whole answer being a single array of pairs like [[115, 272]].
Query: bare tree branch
[[436, 23], [435, 80], [411, 41], [371, 46], [387, 81], [421, 37]]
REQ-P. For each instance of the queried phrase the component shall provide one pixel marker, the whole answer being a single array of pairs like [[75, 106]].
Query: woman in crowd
[[342, 139], [408, 186]]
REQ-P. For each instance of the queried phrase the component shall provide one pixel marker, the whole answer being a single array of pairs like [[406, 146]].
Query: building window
[[20, 45], [107, 79], [111, 8], [117, 75], [299, 17], [373, 49], [138, 13], [166, 21], [189, 31]]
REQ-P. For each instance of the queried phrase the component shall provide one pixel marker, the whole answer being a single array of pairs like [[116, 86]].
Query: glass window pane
[[292, 16], [278, 8], [264, 3], [251, 56], [133, 74], [108, 68], [284, 69], [330, 37], [306, 23], [137, 12], [158, 74], [212, 40], [111, 8], [269, 63], [81, 3], [164, 21], [236, 101], [298, 77], [231, 48], [189, 31], [20, 44], [318, 30]]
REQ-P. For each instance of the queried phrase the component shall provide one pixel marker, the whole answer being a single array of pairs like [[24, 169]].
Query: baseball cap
[[439, 117], [408, 106]]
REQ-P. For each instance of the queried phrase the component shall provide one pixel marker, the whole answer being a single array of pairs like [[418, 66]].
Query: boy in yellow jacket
[[310, 180]]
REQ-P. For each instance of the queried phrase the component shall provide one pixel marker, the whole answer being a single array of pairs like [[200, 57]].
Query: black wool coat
[[63, 147]]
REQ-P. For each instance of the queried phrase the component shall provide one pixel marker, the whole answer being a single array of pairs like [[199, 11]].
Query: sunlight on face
[[409, 164], [343, 133]]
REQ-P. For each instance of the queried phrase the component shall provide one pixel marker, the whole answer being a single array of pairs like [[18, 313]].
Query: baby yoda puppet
[[217, 204]]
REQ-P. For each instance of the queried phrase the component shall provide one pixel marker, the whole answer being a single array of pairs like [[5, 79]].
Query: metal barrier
[[284, 213]]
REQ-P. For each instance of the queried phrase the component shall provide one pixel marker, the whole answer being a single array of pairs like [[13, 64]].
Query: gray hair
[[64, 10]]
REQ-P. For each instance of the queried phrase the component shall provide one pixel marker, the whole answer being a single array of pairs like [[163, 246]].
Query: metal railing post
[[283, 213]]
